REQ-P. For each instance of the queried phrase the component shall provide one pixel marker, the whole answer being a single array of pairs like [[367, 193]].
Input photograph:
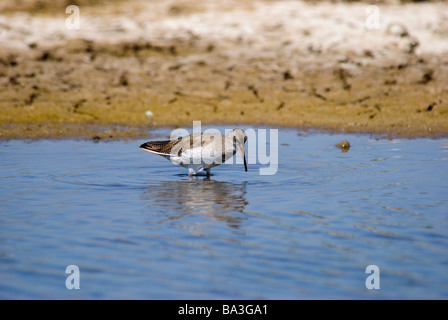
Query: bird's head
[[239, 139]]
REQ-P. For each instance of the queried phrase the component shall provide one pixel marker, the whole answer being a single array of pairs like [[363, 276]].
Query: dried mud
[[134, 65]]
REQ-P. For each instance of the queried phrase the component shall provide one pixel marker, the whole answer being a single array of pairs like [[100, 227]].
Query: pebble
[[397, 29], [344, 145]]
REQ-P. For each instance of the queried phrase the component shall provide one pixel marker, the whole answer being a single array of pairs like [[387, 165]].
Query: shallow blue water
[[138, 227]]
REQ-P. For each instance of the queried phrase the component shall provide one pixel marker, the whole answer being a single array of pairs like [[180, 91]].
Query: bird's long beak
[[244, 158]]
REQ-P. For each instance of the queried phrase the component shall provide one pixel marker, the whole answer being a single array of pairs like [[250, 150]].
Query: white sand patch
[[260, 27]]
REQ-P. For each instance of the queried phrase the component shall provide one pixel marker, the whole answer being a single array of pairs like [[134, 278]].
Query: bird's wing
[[162, 148], [170, 148]]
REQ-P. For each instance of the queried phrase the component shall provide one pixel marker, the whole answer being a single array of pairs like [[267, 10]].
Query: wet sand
[[135, 65]]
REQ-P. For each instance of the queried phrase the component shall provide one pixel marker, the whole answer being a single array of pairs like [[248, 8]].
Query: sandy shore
[[133, 65]]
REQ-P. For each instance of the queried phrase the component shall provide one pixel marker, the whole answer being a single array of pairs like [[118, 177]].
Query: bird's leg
[[208, 172]]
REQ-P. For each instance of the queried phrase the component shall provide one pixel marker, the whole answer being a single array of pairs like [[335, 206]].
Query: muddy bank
[[134, 65]]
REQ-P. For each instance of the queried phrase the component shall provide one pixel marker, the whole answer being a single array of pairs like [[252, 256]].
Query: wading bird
[[200, 151]]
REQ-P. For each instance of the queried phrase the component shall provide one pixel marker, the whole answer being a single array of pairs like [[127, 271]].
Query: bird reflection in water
[[222, 201]]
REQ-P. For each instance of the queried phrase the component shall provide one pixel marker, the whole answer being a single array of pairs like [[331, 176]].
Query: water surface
[[138, 227]]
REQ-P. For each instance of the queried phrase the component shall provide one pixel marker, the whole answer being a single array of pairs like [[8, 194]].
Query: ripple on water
[[138, 227]]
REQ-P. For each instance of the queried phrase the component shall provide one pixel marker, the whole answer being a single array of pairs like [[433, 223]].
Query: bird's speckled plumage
[[201, 151]]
